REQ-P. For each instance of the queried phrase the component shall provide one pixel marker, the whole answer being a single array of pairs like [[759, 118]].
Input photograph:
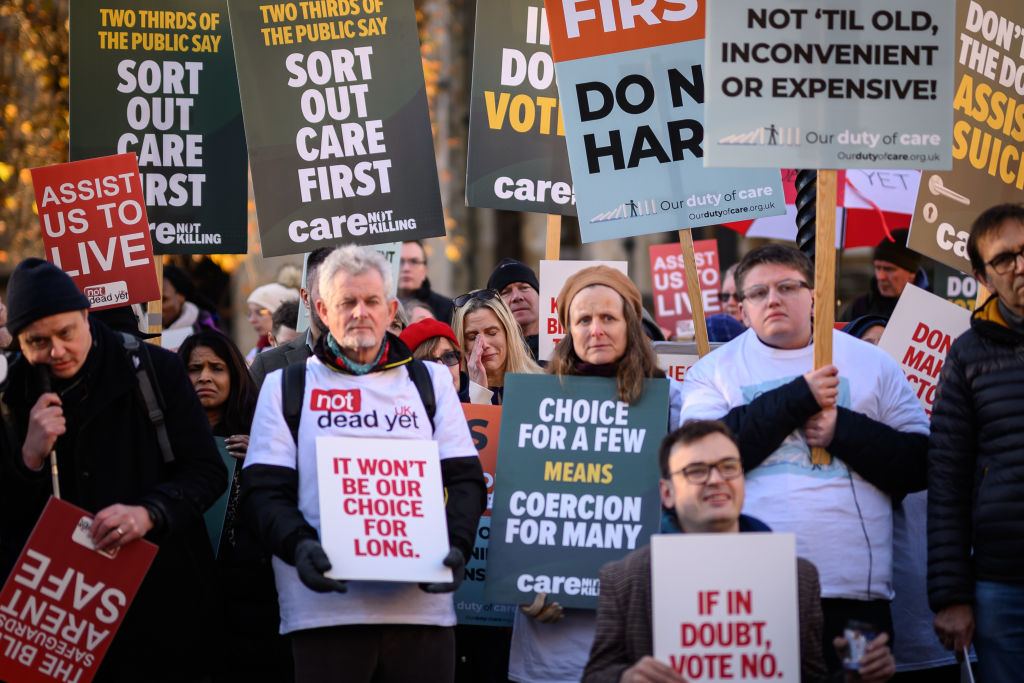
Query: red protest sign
[[64, 601], [668, 275], [93, 218]]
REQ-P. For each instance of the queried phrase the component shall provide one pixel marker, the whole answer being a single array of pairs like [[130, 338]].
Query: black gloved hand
[[457, 561], [311, 562]]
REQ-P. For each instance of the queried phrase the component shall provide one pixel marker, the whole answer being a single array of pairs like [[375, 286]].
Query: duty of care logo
[[631, 208], [770, 135]]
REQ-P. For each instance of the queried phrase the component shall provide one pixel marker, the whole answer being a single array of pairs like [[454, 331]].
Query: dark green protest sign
[[517, 158], [160, 81], [336, 120], [576, 485]]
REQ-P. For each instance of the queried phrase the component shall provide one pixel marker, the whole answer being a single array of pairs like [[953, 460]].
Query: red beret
[[428, 328]]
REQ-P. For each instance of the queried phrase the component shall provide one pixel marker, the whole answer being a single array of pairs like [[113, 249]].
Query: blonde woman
[[492, 343]]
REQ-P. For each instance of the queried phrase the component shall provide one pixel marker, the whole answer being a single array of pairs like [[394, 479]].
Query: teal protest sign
[[216, 515], [576, 485], [516, 158], [632, 98], [336, 122], [161, 84]]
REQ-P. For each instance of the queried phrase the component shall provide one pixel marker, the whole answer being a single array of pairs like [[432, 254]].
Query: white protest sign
[[675, 365], [553, 275], [382, 509], [730, 615], [918, 336]]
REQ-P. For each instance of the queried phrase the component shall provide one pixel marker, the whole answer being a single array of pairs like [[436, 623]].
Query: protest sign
[[516, 158], [733, 616], [64, 600], [632, 86], [954, 286], [216, 515], [918, 336], [382, 513], [577, 485], [824, 84], [336, 122], [668, 275], [470, 607], [675, 365], [553, 275], [988, 132], [161, 84], [93, 220]]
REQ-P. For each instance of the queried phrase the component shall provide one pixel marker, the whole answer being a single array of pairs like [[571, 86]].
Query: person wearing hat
[[263, 301], [75, 391], [517, 284], [895, 268], [435, 341], [601, 311]]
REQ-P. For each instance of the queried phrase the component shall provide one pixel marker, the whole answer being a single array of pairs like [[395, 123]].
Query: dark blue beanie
[[39, 289]]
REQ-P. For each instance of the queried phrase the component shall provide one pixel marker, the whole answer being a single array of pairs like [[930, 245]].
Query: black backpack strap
[[147, 387], [421, 378], [293, 387]]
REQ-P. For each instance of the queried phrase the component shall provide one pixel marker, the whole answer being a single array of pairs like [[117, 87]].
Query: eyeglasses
[[1006, 262], [482, 294], [700, 472], [724, 297], [412, 262], [787, 289], [448, 358]]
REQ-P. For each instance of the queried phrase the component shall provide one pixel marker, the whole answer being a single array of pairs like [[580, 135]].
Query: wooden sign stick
[[824, 282], [553, 244], [700, 326], [155, 309]]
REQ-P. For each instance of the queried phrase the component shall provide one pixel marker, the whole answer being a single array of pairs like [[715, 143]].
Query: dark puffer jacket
[[976, 463]]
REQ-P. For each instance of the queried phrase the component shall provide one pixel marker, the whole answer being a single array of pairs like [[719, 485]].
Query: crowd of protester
[[914, 526]]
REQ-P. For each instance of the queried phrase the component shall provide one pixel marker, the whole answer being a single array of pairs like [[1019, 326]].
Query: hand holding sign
[[824, 384], [118, 525]]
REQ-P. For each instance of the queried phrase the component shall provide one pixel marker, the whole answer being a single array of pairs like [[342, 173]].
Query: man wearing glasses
[[414, 284], [976, 463], [702, 491], [861, 409]]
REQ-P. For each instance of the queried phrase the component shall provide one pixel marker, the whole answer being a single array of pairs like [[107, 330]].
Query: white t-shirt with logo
[[823, 505], [362, 407]]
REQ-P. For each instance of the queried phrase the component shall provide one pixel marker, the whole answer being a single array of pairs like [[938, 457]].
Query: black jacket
[[892, 460], [873, 303], [976, 462], [441, 305], [110, 455], [295, 351]]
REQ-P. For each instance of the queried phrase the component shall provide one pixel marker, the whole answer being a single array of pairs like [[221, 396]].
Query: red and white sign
[[668, 275], [93, 219], [553, 275], [731, 618], [675, 365], [64, 601], [867, 202], [382, 509], [918, 336]]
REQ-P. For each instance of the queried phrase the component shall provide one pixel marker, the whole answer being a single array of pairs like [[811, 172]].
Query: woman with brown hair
[[600, 310]]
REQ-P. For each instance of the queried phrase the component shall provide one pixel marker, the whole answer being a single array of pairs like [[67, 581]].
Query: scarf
[[335, 357]]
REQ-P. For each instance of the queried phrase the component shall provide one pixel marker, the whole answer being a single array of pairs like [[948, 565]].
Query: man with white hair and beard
[[358, 630]]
